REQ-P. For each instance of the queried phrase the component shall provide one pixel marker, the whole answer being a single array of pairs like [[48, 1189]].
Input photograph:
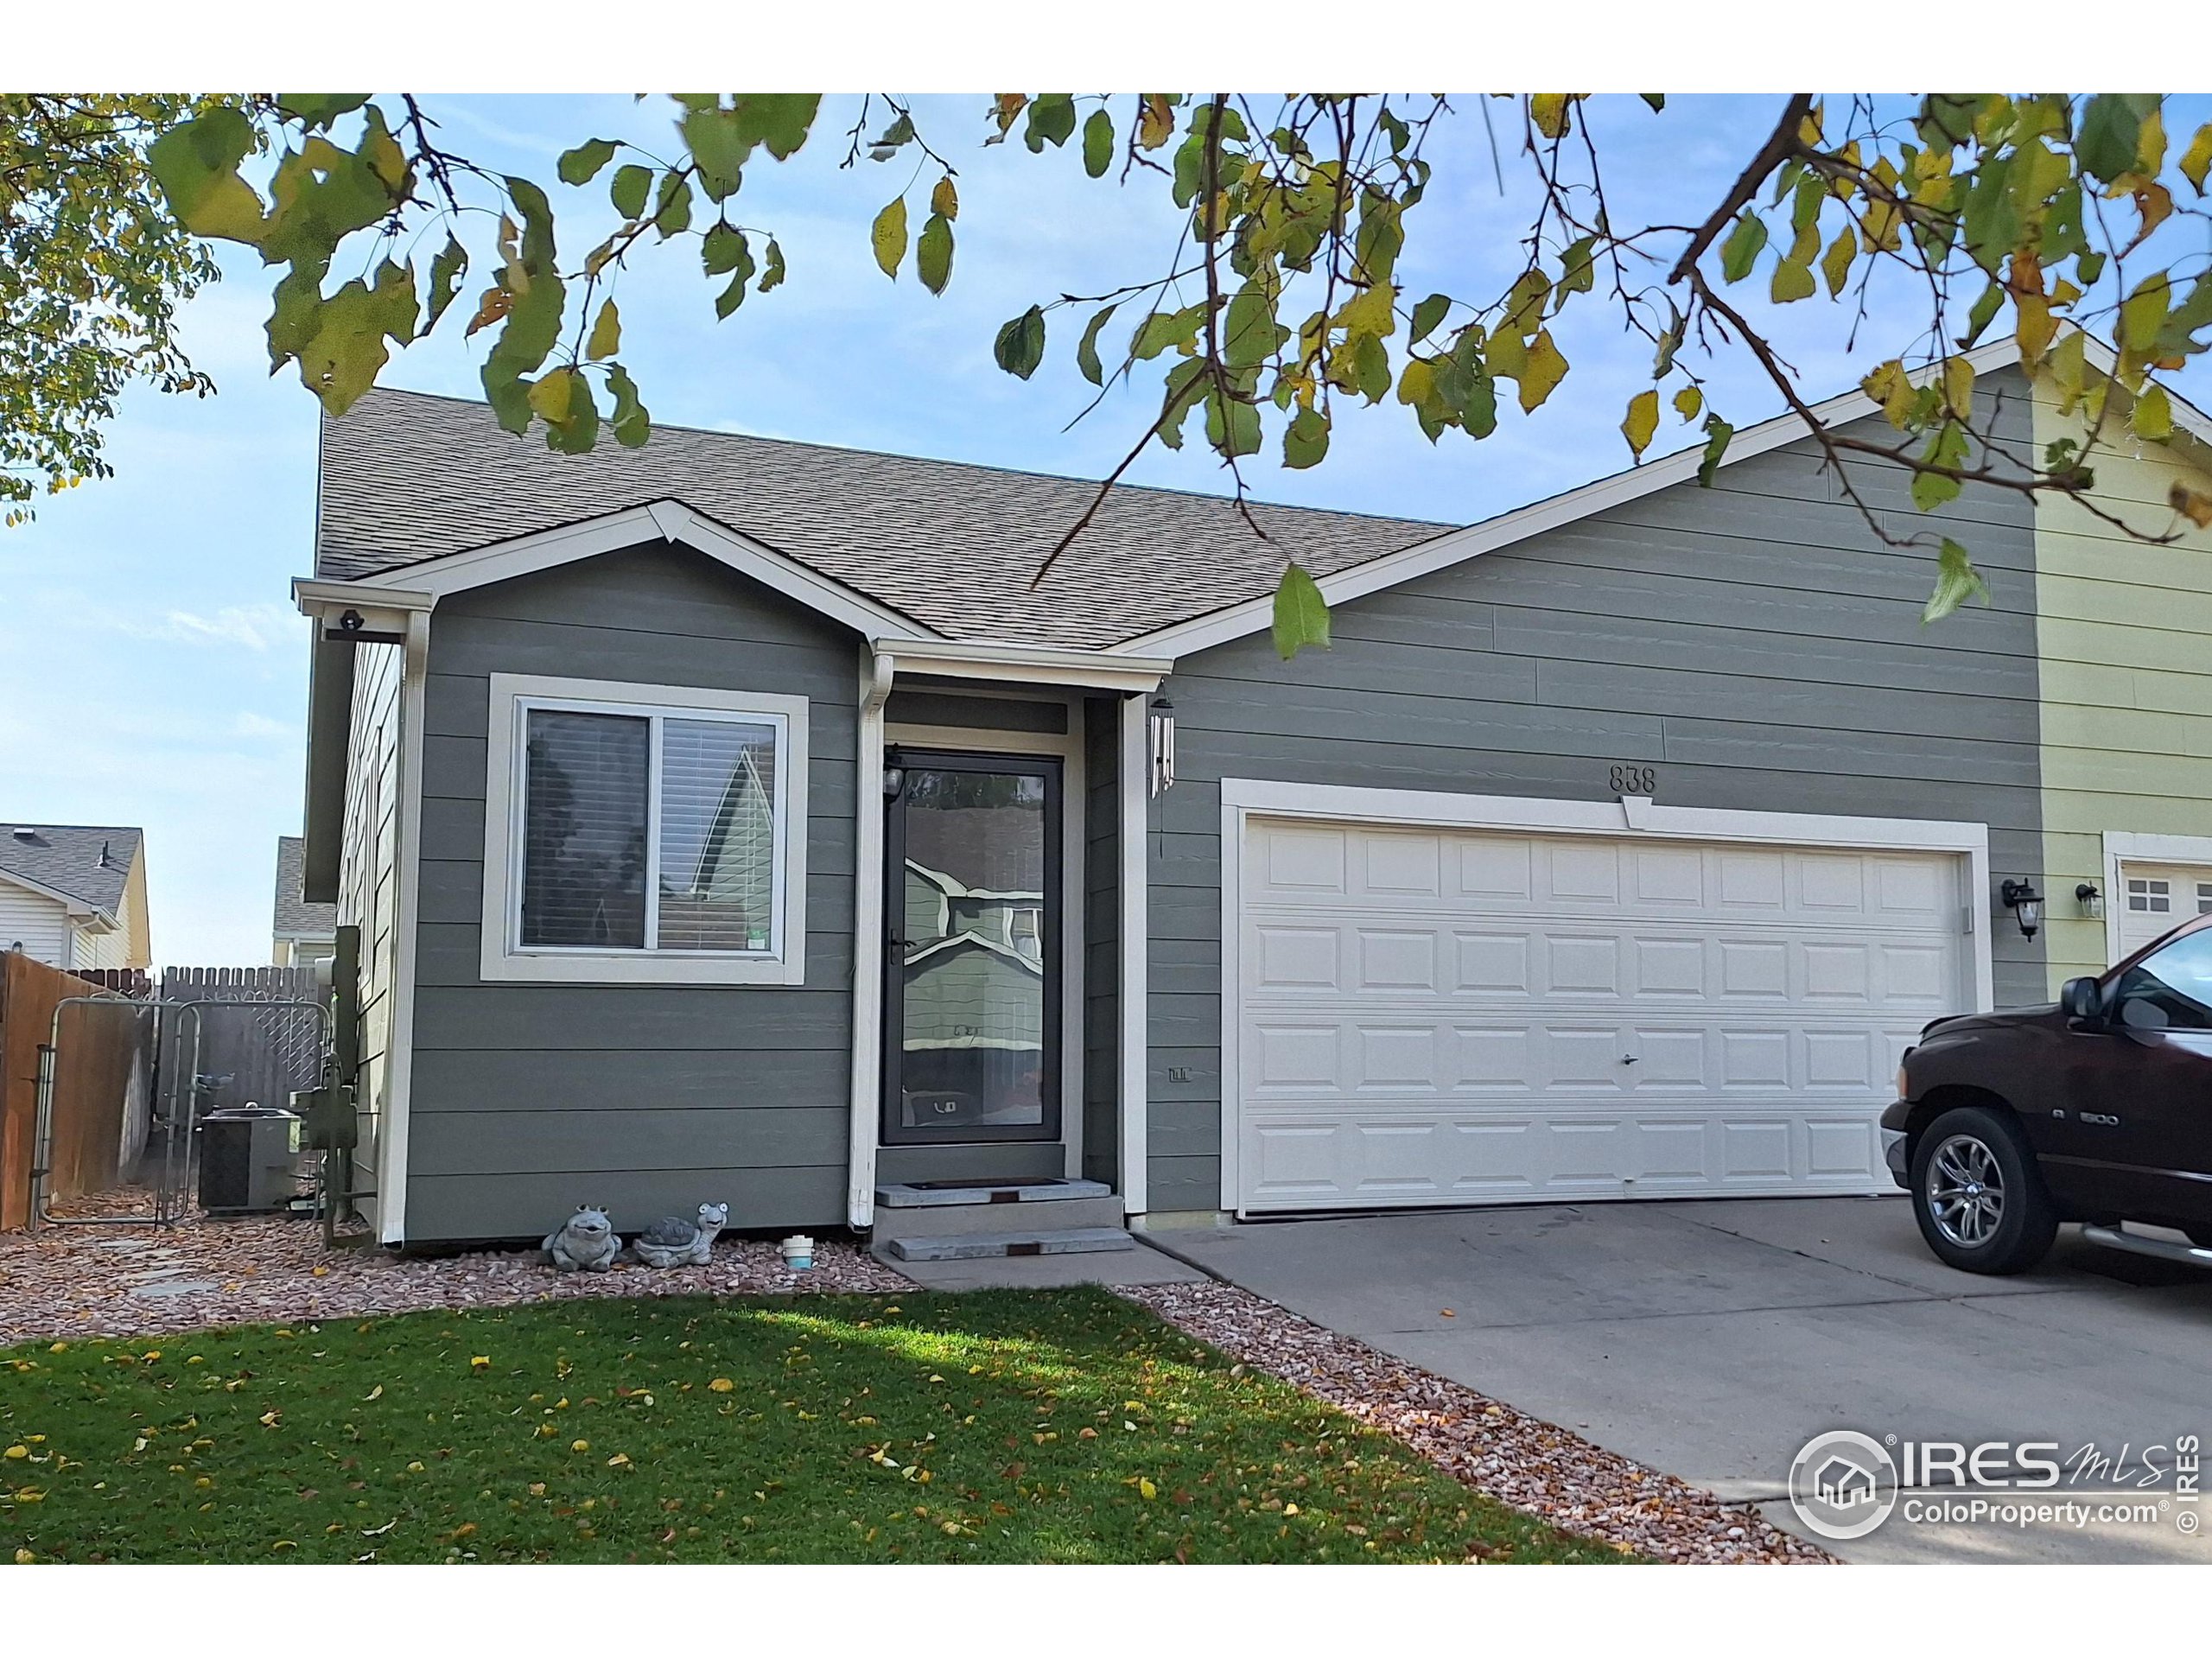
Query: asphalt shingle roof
[[294, 915], [407, 477], [66, 857]]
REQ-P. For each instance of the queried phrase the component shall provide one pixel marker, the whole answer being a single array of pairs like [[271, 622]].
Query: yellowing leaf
[[2154, 416], [1640, 422], [19, 1452], [606, 333], [1146, 1489], [2193, 504], [1958, 386], [551, 396], [619, 1460], [1543, 372], [580, 1446], [1688, 402], [2197, 160], [1548, 110], [888, 236], [1835, 264], [1791, 282], [377, 1393]]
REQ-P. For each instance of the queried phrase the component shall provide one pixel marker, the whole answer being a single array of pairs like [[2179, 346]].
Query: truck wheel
[[1978, 1196]]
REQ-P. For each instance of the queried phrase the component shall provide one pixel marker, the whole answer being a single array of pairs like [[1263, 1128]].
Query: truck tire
[[1976, 1193]]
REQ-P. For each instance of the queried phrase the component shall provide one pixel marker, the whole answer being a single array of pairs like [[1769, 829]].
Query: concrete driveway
[[1711, 1340]]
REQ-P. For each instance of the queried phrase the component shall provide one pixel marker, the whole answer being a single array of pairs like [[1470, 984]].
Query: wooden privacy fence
[[103, 1072], [261, 1053]]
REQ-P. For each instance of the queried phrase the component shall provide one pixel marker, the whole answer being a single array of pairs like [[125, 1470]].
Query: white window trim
[[502, 959], [2125, 847], [1630, 817]]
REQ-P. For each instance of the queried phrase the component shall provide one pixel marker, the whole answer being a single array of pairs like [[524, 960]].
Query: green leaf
[[1021, 345], [772, 272], [888, 236], [1742, 248], [672, 217], [627, 191], [1086, 350], [629, 423], [2111, 132], [581, 164], [1301, 616], [1098, 143], [723, 248], [1983, 312], [933, 253], [2143, 314], [1717, 432], [1656, 100], [1791, 282], [1835, 264], [196, 166], [1306, 440], [533, 319], [605, 334], [314, 110], [1430, 312], [446, 272], [779, 121], [1640, 422], [1947, 448], [718, 146], [1052, 119], [1956, 581], [343, 349]]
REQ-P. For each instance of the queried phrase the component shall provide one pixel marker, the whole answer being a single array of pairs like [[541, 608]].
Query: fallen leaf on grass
[[377, 1393], [1146, 1489]]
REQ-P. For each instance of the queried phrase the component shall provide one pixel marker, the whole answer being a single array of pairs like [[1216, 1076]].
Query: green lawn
[[1015, 1427]]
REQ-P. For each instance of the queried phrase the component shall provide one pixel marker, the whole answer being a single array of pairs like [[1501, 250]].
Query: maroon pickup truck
[[2098, 1109]]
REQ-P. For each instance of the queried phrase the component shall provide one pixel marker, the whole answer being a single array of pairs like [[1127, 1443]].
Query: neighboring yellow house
[[74, 895], [2124, 635]]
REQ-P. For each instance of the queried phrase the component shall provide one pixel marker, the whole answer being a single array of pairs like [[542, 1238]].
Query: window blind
[[584, 830]]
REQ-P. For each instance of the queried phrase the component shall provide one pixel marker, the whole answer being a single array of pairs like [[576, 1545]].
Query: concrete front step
[[1047, 1240], [939, 1221], [900, 1195]]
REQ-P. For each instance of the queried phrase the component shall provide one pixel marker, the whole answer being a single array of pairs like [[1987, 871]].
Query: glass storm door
[[972, 910]]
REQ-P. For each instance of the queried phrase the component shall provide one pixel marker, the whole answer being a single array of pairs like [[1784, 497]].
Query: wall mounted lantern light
[[1161, 725], [2025, 903], [2091, 901]]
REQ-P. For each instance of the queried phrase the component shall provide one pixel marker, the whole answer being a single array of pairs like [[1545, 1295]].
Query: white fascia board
[[993, 660], [2166, 849], [665, 520], [383, 610], [1457, 546]]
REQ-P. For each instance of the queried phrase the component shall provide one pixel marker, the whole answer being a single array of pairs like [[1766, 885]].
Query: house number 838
[[1632, 780]]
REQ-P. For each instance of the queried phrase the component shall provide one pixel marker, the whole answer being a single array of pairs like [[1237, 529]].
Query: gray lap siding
[[1754, 642], [528, 1099]]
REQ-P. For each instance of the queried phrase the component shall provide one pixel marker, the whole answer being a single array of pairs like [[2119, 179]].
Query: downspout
[[867, 941]]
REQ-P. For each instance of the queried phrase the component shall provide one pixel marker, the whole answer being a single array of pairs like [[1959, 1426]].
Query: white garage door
[[1442, 1017], [2153, 898]]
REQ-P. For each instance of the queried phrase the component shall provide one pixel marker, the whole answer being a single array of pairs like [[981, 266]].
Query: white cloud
[[257, 627], [249, 724]]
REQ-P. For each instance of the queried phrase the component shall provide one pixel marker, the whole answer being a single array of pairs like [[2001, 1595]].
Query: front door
[[972, 906]]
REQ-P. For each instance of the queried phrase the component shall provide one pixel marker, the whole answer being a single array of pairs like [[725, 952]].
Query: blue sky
[[152, 669]]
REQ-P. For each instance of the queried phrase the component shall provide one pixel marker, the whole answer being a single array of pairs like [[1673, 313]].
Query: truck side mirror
[[2083, 1000]]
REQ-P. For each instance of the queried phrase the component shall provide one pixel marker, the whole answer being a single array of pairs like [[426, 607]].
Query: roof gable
[[90, 863], [407, 478]]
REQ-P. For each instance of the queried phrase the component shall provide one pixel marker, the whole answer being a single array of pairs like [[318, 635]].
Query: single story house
[[740, 819], [73, 895], [300, 933]]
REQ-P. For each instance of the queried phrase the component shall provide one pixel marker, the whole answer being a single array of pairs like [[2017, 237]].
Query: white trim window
[[643, 834]]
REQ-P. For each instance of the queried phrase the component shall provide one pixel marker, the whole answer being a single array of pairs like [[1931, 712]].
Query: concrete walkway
[[1713, 1339]]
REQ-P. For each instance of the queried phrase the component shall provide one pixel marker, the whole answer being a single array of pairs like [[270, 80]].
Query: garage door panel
[[1387, 1155], [1436, 1018]]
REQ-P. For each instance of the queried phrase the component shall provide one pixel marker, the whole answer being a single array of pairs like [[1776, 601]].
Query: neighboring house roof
[[407, 477], [295, 919], [89, 863]]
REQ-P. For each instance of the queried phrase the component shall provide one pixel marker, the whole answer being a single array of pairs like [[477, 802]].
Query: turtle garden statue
[[585, 1244], [672, 1241]]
